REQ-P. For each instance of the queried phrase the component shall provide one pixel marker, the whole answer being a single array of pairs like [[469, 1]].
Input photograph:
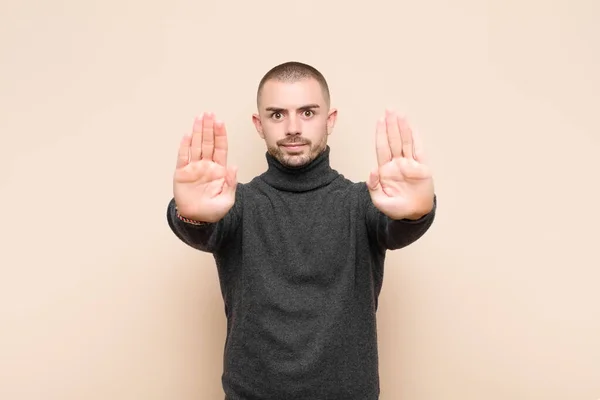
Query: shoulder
[[341, 182], [253, 191], [353, 193], [355, 188], [254, 186]]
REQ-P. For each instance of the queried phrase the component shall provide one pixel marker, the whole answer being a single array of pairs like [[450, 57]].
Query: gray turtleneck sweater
[[300, 259]]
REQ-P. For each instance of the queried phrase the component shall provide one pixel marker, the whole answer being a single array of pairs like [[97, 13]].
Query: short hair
[[293, 71]]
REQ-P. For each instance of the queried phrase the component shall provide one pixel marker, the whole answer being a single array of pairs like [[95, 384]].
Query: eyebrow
[[303, 108]]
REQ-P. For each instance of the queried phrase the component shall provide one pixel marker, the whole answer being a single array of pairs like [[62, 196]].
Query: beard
[[305, 155]]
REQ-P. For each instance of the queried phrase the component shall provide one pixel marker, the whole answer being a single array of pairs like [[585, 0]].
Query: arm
[[400, 200], [204, 188], [207, 237], [394, 234]]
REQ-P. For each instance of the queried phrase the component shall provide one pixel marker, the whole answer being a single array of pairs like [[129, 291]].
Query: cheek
[[315, 127], [273, 132]]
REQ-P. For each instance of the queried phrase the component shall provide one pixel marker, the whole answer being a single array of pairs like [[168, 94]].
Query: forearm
[[395, 234], [403, 232], [203, 237]]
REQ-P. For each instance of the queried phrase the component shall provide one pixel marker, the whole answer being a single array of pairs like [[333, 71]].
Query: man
[[300, 249]]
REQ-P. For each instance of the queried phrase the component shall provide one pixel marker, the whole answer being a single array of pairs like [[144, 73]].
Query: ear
[[258, 125], [331, 118]]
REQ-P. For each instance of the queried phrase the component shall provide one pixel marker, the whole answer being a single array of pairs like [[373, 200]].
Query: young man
[[300, 249]]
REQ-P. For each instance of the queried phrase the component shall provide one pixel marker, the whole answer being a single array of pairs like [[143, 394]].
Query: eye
[[308, 113], [277, 115]]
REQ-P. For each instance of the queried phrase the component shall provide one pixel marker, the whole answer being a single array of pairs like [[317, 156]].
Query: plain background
[[99, 300]]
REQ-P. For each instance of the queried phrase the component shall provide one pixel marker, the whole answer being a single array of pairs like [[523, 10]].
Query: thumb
[[231, 178], [373, 181]]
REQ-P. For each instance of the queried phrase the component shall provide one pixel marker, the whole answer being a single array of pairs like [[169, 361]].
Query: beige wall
[[99, 300]]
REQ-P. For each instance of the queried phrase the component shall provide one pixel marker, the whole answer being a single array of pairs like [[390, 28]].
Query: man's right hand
[[203, 185]]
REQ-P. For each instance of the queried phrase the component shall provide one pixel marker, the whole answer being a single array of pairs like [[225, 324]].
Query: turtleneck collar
[[311, 176]]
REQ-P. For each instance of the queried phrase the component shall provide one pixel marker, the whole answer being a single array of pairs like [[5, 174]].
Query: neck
[[310, 176]]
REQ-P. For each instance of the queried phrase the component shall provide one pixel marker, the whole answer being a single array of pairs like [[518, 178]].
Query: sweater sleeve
[[209, 237], [391, 234]]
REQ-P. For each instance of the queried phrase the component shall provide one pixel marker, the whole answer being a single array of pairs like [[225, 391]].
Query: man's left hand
[[402, 185]]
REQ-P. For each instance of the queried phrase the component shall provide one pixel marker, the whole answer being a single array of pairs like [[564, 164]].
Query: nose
[[293, 127]]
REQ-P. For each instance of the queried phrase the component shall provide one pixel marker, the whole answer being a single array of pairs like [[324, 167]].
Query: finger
[[382, 145], [196, 143], [406, 137], [230, 186], [373, 181], [208, 136], [231, 178], [183, 155], [393, 134], [418, 151], [220, 152]]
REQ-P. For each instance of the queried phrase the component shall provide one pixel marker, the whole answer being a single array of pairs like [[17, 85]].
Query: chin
[[292, 160], [295, 161]]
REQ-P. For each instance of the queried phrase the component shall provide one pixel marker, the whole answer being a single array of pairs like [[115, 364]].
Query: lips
[[294, 143], [294, 147]]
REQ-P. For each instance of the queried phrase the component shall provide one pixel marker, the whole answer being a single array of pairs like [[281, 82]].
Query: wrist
[[189, 221], [418, 213]]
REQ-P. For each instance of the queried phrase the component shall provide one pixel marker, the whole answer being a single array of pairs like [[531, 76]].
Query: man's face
[[294, 119]]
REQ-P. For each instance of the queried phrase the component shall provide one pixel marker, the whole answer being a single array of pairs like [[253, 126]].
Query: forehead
[[291, 94]]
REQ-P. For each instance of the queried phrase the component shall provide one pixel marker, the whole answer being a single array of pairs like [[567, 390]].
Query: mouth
[[293, 146]]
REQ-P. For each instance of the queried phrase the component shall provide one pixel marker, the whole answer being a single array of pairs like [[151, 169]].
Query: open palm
[[203, 185], [401, 186]]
